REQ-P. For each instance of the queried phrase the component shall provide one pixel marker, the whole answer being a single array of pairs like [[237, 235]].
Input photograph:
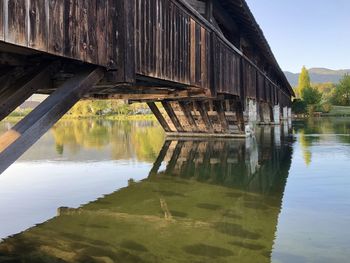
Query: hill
[[318, 75]]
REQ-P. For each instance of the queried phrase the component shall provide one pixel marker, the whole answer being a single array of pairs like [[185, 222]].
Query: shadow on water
[[203, 201]]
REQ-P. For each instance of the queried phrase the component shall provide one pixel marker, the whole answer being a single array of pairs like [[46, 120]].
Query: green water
[[104, 191]]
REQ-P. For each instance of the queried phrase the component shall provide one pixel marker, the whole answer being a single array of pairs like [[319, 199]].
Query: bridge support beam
[[286, 113], [25, 133], [201, 118], [277, 114], [13, 94], [265, 113]]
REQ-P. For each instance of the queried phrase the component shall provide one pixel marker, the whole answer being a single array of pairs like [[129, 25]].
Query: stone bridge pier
[[263, 113]]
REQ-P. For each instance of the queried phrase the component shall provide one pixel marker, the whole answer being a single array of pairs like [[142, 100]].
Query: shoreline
[[140, 117]]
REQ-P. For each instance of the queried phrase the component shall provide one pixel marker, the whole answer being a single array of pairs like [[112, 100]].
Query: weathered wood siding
[[250, 80], [92, 31], [158, 39], [227, 68], [170, 45], [2, 22]]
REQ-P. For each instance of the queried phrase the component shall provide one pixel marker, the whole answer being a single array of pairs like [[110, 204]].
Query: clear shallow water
[[103, 191]]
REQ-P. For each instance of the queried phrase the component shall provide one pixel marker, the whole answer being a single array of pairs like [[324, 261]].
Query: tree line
[[320, 97]]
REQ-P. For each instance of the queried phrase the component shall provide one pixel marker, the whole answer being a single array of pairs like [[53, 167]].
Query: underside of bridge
[[203, 67]]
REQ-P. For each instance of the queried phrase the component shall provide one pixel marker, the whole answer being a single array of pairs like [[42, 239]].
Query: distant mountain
[[318, 75]]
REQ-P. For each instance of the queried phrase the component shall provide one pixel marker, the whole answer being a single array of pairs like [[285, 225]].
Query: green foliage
[[326, 89], [90, 108], [311, 109], [341, 95], [311, 96], [304, 81], [326, 107], [299, 106]]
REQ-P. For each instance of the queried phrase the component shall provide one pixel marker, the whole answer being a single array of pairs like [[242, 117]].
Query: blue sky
[[314, 33]]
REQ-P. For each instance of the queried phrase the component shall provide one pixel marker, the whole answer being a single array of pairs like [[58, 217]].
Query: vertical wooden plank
[[91, 44], [204, 61], [71, 29], [158, 47], [121, 39], [38, 27], [16, 31], [127, 38], [143, 39], [171, 39], [214, 67], [187, 50], [2, 17], [166, 39], [198, 55], [138, 36], [193, 51], [56, 22], [112, 31], [176, 44], [83, 25], [151, 37]]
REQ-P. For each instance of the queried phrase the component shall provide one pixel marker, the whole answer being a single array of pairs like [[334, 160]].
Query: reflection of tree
[[126, 140], [147, 142], [320, 129], [92, 134], [305, 147]]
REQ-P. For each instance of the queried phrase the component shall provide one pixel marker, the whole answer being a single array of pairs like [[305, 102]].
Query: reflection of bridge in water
[[237, 163], [211, 201]]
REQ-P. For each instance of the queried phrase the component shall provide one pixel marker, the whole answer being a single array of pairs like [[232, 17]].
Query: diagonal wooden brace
[[23, 135]]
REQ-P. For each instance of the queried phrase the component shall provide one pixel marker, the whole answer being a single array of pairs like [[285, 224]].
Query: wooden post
[[159, 116], [221, 114], [240, 118], [169, 110], [271, 114], [204, 115], [25, 87], [187, 112], [261, 111], [23, 135]]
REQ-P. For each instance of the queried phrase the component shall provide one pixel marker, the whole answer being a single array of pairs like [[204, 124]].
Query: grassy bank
[[115, 117], [338, 111], [118, 117]]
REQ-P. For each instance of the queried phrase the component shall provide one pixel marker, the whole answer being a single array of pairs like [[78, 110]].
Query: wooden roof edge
[[268, 50]]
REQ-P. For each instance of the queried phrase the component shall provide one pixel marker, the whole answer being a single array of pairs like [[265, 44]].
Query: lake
[[112, 191]]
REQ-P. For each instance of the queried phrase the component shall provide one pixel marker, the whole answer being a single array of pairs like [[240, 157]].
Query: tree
[[326, 89], [299, 106], [311, 96], [304, 81], [341, 94]]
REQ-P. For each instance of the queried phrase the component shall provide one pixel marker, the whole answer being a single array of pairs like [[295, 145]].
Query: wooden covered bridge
[[206, 61]]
